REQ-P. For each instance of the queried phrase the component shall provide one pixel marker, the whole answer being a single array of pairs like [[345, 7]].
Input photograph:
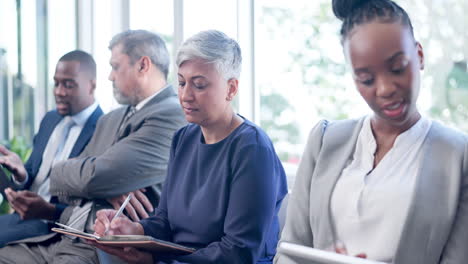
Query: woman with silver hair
[[225, 183]]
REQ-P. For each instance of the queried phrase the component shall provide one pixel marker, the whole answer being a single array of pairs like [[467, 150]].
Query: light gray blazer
[[436, 229]]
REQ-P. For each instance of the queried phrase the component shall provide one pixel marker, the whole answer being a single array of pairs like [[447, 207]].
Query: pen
[[67, 227], [122, 207], [83, 214]]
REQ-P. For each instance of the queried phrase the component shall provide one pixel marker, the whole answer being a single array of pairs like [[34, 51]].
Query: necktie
[[130, 112], [52, 151]]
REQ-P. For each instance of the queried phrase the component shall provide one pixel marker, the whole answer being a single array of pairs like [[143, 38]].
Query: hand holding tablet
[[317, 256]]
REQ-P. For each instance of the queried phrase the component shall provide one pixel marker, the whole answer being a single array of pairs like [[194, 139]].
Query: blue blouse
[[222, 198]]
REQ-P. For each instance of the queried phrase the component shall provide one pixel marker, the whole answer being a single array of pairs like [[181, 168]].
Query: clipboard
[[146, 243], [317, 256]]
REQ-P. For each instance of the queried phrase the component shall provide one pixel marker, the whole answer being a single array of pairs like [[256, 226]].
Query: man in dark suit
[[75, 82], [128, 152]]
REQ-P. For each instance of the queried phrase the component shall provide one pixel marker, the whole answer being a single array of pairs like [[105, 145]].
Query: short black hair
[[86, 61], [356, 12]]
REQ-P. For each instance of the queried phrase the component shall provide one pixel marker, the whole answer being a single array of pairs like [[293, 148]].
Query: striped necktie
[[130, 112], [52, 151]]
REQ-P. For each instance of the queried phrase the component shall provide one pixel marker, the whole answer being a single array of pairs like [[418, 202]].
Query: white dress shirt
[[369, 205], [80, 120]]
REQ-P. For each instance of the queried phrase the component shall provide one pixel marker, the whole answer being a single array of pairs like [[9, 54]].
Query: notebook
[[310, 255], [138, 241]]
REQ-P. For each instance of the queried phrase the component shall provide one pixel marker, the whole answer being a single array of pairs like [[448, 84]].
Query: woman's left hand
[[340, 248], [128, 254]]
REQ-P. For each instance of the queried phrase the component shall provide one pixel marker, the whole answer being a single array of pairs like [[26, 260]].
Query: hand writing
[[121, 225], [138, 208]]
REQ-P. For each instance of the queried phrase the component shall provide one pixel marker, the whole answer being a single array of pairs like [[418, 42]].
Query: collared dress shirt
[[369, 205]]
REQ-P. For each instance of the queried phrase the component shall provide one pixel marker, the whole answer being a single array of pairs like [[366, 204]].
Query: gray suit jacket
[[436, 230], [119, 161]]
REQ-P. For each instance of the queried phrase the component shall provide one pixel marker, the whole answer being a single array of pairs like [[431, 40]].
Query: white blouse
[[369, 206]]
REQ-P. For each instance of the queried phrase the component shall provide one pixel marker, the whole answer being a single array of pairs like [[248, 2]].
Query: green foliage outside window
[[20, 147], [308, 54]]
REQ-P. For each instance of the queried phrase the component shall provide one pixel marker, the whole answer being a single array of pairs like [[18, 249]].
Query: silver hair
[[139, 43], [214, 47]]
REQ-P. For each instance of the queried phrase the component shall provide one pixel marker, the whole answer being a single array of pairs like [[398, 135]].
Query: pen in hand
[[119, 212]]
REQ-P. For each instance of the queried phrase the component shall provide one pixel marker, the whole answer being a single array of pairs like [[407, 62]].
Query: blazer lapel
[[339, 142], [423, 234], [415, 233]]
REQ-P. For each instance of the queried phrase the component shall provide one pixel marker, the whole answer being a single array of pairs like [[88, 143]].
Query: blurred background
[[293, 74]]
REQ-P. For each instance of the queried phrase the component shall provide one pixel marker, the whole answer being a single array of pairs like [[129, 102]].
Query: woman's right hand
[[340, 248], [119, 226]]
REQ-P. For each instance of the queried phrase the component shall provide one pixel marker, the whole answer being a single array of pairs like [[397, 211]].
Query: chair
[[282, 212]]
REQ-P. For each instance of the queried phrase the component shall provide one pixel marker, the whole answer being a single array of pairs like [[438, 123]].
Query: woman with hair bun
[[391, 186]]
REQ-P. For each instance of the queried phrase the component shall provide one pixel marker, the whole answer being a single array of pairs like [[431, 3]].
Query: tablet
[[310, 255]]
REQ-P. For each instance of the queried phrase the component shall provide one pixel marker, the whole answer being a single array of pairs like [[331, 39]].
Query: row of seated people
[[389, 186], [231, 175]]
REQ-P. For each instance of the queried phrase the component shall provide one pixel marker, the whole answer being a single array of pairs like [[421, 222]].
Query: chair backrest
[[282, 212]]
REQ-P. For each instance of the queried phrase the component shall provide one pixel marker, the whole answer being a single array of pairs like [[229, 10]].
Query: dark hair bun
[[343, 8]]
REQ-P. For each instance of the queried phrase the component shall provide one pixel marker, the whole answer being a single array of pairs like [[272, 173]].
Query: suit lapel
[[86, 133], [48, 129], [128, 126], [121, 130]]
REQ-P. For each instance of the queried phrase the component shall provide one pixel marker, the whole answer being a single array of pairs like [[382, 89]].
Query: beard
[[120, 97]]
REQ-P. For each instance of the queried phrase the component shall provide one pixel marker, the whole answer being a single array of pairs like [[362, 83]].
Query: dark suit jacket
[[17, 228], [48, 124]]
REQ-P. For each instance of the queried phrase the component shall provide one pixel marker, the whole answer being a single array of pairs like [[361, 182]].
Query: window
[[210, 14], [104, 30], [302, 76], [61, 38], [18, 55], [8, 63], [34, 35], [161, 22], [299, 69], [442, 33]]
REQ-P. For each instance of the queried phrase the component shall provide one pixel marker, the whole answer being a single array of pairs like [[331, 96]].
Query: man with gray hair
[[127, 154]]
